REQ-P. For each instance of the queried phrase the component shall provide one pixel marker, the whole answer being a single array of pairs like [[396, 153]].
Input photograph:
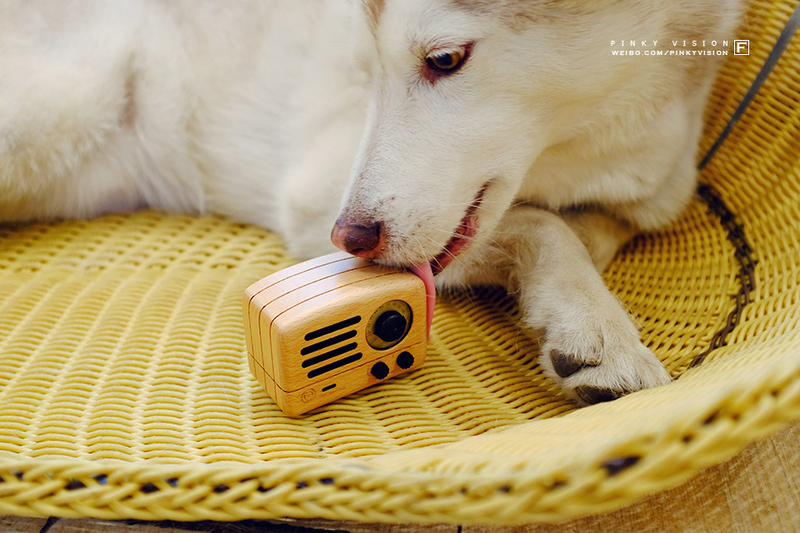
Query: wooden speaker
[[329, 327]]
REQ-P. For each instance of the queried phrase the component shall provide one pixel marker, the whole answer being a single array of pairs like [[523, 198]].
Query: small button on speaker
[[405, 360], [380, 370]]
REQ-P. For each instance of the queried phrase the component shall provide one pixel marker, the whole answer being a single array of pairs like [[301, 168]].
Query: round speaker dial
[[389, 325]]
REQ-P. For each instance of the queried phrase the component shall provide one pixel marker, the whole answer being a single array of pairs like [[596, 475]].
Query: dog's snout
[[362, 240]]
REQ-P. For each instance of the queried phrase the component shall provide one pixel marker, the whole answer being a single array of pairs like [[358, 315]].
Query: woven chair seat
[[125, 390]]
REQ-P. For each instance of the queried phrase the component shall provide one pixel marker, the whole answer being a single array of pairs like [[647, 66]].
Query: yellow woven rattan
[[125, 392]]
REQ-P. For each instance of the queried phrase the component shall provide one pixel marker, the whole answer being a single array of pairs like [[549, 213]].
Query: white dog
[[499, 141]]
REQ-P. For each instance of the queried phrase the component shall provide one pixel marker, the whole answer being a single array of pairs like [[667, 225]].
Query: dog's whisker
[[448, 233], [502, 250], [419, 246], [445, 250]]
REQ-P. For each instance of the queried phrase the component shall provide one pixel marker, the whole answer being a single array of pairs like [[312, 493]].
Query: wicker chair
[[125, 392]]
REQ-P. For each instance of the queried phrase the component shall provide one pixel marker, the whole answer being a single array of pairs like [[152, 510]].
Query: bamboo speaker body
[[326, 328]]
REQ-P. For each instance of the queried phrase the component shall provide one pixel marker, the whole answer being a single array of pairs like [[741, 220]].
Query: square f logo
[[741, 47]]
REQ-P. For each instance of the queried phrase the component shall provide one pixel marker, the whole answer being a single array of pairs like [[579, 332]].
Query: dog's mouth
[[459, 242], [462, 237]]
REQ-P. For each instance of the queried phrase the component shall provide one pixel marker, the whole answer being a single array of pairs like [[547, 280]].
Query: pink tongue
[[423, 270]]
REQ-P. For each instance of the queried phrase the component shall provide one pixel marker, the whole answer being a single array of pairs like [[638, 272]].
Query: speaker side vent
[[353, 346], [332, 352], [336, 364], [327, 330], [327, 343]]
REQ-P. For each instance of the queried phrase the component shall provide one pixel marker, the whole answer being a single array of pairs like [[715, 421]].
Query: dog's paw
[[599, 363]]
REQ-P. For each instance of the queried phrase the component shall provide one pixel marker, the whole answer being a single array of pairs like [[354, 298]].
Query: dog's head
[[465, 95]]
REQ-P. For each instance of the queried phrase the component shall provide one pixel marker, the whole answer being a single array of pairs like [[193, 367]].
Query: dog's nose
[[357, 239]]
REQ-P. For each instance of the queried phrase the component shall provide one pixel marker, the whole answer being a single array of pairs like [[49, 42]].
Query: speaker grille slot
[[329, 355], [327, 343], [339, 339], [333, 366], [332, 328]]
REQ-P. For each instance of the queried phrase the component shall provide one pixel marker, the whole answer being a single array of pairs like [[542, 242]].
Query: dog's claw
[[592, 395], [567, 364]]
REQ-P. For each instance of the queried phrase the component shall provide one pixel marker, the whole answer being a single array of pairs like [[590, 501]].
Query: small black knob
[[390, 326], [380, 370], [405, 360]]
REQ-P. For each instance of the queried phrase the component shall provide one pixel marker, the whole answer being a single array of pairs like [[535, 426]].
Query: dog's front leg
[[592, 348]]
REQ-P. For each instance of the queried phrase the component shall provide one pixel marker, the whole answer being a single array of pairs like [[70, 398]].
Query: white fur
[[288, 113]]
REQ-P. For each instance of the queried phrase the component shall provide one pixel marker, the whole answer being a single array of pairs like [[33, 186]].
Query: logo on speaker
[[308, 396]]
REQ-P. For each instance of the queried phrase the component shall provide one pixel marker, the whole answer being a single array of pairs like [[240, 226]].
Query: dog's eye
[[446, 61]]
